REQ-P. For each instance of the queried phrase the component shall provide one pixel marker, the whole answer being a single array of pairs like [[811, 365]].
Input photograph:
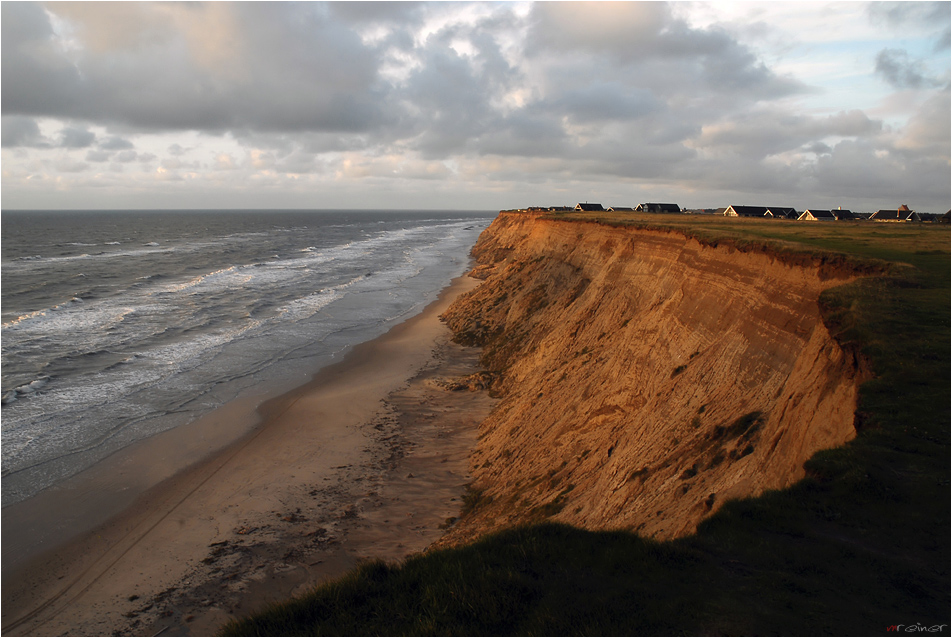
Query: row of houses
[[902, 214]]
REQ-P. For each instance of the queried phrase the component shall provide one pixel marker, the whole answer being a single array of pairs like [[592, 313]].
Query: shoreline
[[365, 460]]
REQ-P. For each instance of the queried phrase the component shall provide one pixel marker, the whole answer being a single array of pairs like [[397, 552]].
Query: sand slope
[[647, 378]]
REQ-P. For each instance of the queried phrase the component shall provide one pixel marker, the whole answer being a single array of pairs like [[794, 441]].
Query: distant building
[[782, 212], [817, 215], [658, 208], [746, 211], [589, 207], [895, 216], [844, 214], [620, 209]]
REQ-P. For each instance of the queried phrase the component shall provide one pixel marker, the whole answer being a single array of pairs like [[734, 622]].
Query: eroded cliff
[[645, 378]]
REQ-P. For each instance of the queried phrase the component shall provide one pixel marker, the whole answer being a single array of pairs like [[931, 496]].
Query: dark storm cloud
[[37, 79], [764, 133], [453, 93], [115, 143], [98, 156], [901, 72], [525, 135], [271, 67], [604, 101], [73, 137], [22, 131], [644, 42], [290, 68]]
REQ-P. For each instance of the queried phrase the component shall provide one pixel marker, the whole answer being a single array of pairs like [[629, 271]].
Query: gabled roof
[[895, 216], [620, 209], [843, 213], [746, 211], [784, 212], [816, 213], [589, 207], [652, 207]]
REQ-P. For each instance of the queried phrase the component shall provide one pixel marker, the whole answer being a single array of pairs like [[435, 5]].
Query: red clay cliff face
[[645, 378]]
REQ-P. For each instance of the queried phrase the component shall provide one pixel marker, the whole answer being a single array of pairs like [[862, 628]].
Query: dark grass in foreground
[[857, 547]]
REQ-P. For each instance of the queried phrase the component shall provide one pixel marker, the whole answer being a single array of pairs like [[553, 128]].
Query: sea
[[119, 325]]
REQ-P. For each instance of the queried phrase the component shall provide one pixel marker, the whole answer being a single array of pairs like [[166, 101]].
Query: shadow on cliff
[[859, 546]]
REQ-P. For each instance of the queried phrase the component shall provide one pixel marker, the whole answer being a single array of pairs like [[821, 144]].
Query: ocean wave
[[132, 348]]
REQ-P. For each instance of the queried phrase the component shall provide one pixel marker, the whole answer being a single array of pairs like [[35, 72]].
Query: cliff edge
[[646, 378]]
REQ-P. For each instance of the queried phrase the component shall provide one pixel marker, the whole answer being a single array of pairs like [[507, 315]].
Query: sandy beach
[[367, 460]]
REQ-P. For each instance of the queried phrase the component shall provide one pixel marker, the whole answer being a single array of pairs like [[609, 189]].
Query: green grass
[[861, 544]]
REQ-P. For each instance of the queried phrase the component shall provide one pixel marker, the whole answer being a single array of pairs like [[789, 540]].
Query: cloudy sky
[[475, 105]]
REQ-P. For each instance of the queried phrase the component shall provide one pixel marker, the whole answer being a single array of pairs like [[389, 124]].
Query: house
[[895, 216], [658, 208], [815, 215], [589, 207], [620, 209], [843, 214], [746, 211], [781, 212], [560, 209]]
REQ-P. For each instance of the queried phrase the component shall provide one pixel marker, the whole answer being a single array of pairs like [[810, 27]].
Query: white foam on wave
[[305, 307], [131, 391], [67, 318]]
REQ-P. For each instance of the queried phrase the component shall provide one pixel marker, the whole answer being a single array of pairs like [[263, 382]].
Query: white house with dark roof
[[746, 211], [589, 207], [652, 207], [895, 216], [816, 215]]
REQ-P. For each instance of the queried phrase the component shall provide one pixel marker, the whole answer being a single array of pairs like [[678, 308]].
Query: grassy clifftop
[[858, 546]]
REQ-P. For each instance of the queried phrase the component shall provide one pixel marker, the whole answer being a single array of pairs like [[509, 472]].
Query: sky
[[485, 106]]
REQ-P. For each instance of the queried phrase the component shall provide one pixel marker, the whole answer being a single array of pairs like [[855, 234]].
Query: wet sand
[[368, 460]]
